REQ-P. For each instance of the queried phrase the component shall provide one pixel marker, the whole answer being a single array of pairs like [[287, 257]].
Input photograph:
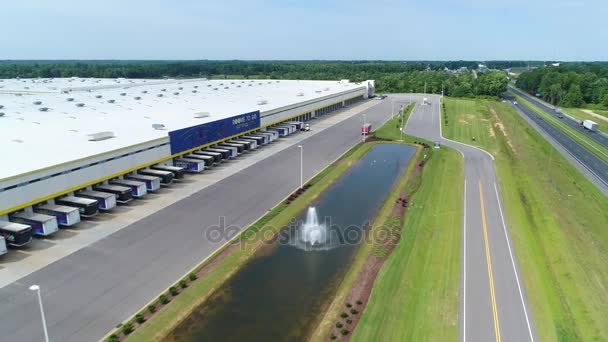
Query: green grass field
[[415, 296], [581, 115], [591, 145], [557, 221]]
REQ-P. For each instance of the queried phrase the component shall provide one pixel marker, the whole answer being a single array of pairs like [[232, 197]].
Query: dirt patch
[[501, 127], [464, 122], [470, 116], [491, 132], [595, 115]]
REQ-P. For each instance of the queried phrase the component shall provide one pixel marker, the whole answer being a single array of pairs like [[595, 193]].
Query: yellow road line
[[489, 260]]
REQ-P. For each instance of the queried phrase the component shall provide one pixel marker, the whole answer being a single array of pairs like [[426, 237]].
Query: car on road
[[515, 103], [305, 128]]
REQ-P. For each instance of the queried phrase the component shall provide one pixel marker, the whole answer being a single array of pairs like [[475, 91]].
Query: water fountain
[[313, 232]]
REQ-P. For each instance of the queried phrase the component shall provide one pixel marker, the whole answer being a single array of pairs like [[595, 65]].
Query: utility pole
[[425, 87]]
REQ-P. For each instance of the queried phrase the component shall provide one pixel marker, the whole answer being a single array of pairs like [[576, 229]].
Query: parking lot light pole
[[364, 133], [301, 166], [36, 289]]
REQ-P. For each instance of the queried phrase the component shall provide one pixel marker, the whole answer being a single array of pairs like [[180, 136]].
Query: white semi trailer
[[590, 125]]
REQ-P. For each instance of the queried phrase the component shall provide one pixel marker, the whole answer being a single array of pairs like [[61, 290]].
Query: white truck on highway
[[425, 101], [590, 125]]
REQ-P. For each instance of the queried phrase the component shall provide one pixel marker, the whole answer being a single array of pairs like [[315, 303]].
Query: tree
[[574, 97]]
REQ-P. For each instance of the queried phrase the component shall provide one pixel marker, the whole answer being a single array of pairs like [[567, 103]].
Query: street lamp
[[301, 166], [36, 289], [364, 132], [392, 108]]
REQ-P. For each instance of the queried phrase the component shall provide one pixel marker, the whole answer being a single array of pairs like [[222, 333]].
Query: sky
[[305, 29]]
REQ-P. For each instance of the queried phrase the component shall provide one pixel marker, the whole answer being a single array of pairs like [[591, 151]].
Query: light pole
[[364, 128], [392, 108], [36, 288], [301, 166]]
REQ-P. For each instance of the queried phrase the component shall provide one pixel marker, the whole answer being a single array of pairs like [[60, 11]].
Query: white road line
[[521, 296], [464, 277]]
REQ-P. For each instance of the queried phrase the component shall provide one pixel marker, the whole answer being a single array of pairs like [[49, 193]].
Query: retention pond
[[281, 293]]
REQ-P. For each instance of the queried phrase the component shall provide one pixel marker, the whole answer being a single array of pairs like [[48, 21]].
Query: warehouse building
[[59, 136]]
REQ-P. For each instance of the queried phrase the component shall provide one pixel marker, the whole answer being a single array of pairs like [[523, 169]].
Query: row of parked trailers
[[45, 219]]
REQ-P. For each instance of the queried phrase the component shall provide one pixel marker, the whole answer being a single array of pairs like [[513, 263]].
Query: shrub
[[339, 325], [139, 318], [127, 328], [152, 308], [192, 276], [354, 311], [332, 337], [163, 299], [344, 331], [182, 283], [173, 291], [343, 314], [349, 321], [348, 305], [114, 338]]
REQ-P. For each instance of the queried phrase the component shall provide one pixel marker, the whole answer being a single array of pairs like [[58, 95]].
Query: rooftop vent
[[80, 105], [43, 109], [163, 89], [1, 106], [100, 136], [262, 102], [194, 91], [73, 130], [159, 95], [37, 103], [176, 93], [201, 115], [111, 101], [208, 85], [300, 94], [144, 92], [159, 127], [18, 94], [317, 91], [137, 97], [17, 140], [98, 96], [249, 84], [2, 114], [70, 99], [260, 83], [225, 87], [180, 88], [195, 87], [214, 88], [325, 89], [123, 94], [238, 86]]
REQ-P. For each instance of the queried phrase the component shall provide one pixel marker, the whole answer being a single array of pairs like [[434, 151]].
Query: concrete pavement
[[493, 301], [96, 287]]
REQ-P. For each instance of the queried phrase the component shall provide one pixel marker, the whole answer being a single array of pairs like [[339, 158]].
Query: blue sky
[[305, 29]]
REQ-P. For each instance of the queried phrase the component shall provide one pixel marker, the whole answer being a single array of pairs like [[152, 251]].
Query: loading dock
[[178, 172], [16, 234], [138, 189], [239, 147], [105, 200], [189, 164], [86, 206], [123, 193], [42, 225], [66, 216], [209, 161], [152, 183], [166, 177], [226, 154]]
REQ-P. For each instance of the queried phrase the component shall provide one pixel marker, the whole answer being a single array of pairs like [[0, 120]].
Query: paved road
[[571, 124], [87, 293], [594, 168], [493, 301]]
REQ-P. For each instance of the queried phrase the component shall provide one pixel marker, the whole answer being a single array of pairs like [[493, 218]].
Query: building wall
[[26, 190]]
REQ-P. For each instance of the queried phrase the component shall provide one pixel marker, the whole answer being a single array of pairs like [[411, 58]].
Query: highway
[[493, 303], [587, 162], [571, 124], [89, 292]]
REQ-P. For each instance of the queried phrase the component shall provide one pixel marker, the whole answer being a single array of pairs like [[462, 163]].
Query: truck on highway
[[590, 125], [425, 101], [366, 129]]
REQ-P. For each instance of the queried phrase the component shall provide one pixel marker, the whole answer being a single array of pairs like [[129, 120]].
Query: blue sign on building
[[191, 137]]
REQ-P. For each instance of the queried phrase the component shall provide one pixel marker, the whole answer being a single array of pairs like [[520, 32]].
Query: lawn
[[415, 296], [594, 147], [557, 221]]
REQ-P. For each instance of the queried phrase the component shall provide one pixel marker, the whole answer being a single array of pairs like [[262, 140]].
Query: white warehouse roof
[[46, 122]]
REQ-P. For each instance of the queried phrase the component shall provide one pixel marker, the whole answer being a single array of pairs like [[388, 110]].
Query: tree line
[[431, 76], [569, 85]]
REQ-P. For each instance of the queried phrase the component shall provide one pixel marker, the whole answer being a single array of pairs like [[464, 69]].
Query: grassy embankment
[[164, 321], [595, 148], [415, 295], [580, 115], [557, 220]]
